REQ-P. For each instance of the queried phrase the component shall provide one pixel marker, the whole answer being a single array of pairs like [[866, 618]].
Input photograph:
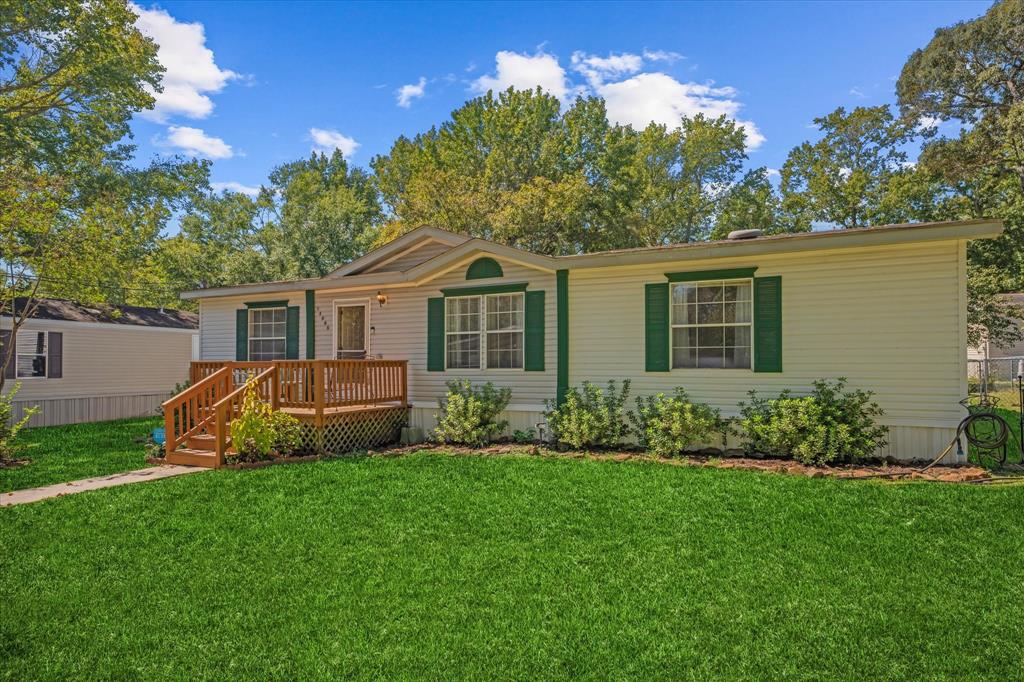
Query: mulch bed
[[961, 473], [881, 470]]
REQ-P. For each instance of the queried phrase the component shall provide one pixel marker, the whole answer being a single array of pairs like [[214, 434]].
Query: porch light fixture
[[381, 299]]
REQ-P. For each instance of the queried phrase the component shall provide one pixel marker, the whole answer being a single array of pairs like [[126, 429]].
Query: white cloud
[[773, 172], [525, 72], [407, 93], [632, 95], [191, 73], [662, 56], [327, 141], [660, 98], [233, 186], [194, 141], [858, 92], [927, 123], [599, 69]]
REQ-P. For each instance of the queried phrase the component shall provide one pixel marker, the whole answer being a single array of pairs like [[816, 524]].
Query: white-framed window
[[31, 348], [712, 324], [485, 332], [267, 333]]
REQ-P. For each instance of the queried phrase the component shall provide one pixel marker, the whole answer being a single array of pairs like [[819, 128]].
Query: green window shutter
[[310, 324], [768, 324], [435, 334], [562, 316], [242, 334], [656, 326], [534, 337], [291, 351]]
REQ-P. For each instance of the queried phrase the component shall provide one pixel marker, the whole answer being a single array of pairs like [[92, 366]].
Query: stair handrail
[[225, 405], [192, 397]]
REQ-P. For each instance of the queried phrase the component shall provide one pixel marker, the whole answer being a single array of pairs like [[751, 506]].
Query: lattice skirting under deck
[[349, 431]]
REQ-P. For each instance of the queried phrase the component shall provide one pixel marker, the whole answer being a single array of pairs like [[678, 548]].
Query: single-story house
[[85, 363], [883, 306]]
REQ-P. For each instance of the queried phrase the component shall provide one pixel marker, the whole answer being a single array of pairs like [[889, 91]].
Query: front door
[[351, 325]]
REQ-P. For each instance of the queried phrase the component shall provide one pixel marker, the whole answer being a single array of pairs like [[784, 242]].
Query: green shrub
[[667, 425], [830, 425], [590, 417], [287, 433], [469, 415], [258, 432], [524, 436], [8, 427]]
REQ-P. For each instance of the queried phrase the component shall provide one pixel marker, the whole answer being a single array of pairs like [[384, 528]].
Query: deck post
[[317, 372], [275, 389]]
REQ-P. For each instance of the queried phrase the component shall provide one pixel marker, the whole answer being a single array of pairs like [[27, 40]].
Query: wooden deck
[[342, 404]]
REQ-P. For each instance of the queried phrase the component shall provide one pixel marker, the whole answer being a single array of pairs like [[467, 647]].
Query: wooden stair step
[[203, 441], [191, 457]]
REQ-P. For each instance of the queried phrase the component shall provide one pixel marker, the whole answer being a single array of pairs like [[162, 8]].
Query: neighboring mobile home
[[82, 363], [884, 307]]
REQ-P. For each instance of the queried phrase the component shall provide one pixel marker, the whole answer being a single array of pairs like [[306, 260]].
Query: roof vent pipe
[[744, 234]]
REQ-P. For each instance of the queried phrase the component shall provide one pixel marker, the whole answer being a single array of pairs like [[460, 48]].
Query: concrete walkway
[[58, 489]]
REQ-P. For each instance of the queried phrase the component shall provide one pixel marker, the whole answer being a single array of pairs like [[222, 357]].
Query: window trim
[[673, 326], [483, 331], [250, 338], [351, 303], [45, 354]]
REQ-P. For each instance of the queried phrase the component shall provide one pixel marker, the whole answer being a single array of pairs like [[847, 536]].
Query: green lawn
[[487, 567], [68, 453]]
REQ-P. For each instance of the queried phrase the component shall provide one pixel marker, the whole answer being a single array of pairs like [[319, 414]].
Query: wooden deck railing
[[312, 387], [190, 412]]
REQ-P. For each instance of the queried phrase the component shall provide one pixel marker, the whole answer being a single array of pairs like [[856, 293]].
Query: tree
[[973, 73], [323, 212], [517, 168], [843, 177], [750, 204], [71, 76], [990, 316]]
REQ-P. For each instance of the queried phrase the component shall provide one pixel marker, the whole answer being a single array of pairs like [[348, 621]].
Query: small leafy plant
[[469, 414], [830, 425], [8, 427], [667, 425], [590, 417], [258, 432], [524, 436]]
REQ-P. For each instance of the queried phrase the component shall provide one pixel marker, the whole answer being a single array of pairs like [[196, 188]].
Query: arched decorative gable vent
[[484, 268]]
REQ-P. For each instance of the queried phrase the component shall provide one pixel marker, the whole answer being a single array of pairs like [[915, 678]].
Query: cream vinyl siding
[[399, 332], [217, 322], [110, 371], [891, 319]]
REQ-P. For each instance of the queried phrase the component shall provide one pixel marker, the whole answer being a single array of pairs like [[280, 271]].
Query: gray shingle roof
[[131, 315]]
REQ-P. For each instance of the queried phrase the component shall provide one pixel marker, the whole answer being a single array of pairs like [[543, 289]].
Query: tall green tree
[[71, 76], [519, 169], [322, 211], [843, 178], [972, 73]]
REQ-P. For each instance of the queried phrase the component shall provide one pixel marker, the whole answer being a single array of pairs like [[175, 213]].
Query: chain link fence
[[994, 374]]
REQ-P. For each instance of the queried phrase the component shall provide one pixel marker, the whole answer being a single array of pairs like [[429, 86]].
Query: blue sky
[[252, 85]]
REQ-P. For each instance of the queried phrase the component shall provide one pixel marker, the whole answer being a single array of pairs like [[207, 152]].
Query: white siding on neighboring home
[[891, 319], [400, 333], [217, 322], [110, 371]]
